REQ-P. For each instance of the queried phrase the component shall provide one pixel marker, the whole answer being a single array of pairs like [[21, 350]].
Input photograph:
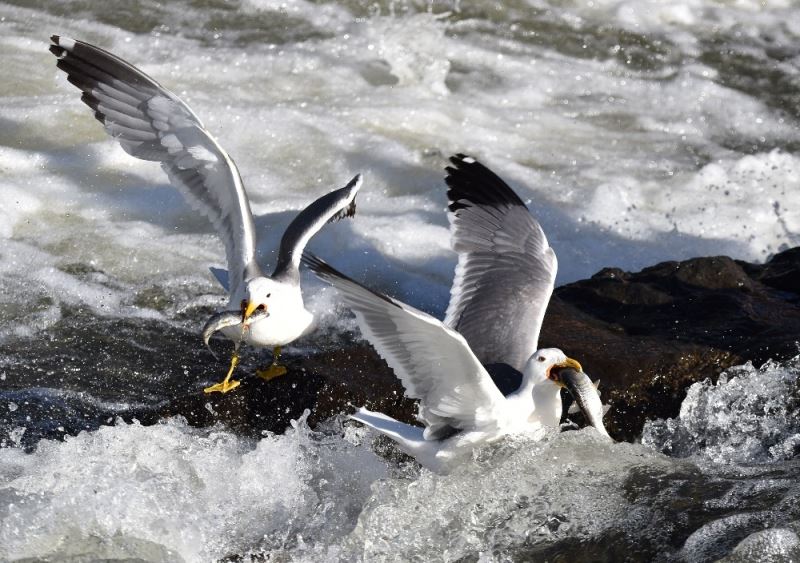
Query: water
[[637, 132], [173, 492]]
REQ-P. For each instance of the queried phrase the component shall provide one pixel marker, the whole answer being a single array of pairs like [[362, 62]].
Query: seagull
[[152, 123], [503, 281]]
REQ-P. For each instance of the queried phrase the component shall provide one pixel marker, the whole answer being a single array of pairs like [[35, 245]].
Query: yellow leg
[[226, 384], [274, 370]]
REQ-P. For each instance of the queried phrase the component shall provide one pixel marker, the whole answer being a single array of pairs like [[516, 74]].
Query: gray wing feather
[[152, 123], [506, 269], [222, 277], [332, 206], [433, 362]]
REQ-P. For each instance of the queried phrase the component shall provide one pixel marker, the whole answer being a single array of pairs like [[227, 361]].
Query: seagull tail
[[408, 438]]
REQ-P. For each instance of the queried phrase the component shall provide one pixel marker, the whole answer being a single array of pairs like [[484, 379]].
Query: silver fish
[[586, 395], [225, 319]]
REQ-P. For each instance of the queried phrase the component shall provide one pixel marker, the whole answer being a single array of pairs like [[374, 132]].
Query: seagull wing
[[506, 269], [333, 206], [433, 362], [152, 123]]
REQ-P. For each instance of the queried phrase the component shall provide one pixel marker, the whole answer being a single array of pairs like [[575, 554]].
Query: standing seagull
[[152, 123], [503, 282]]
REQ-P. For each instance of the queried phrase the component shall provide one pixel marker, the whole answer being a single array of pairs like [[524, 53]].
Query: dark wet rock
[[647, 336], [781, 272], [327, 383], [87, 371]]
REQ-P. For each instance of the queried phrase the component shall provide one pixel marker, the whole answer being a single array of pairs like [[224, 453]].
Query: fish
[[225, 319], [586, 396]]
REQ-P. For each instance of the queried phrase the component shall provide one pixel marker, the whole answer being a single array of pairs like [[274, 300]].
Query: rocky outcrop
[[647, 336]]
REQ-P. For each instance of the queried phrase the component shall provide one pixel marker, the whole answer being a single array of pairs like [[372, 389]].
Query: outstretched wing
[[434, 362], [506, 269], [332, 206], [152, 123]]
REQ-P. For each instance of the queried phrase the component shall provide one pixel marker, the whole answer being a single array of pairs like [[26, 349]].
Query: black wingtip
[[312, 261], [350, 210], [90, 101], [321, 269], [471, 183], [55, 38], [354, 184], [461, 159], [345, 212]]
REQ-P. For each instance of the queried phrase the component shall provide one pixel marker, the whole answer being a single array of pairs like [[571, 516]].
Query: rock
[[647, 336], [328, 383], [781, 272]]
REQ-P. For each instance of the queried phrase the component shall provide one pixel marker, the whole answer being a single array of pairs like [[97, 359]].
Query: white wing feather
[[152, 123], [506, 269], [433, 362]]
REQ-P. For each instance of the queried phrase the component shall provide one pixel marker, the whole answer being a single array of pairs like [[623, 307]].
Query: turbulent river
[[636, 131]]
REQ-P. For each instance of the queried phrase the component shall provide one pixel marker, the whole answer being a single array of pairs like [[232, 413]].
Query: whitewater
[[636, 132]]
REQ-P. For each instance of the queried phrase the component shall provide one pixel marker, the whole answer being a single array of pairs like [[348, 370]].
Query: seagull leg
[[226, 384], [273, 370]]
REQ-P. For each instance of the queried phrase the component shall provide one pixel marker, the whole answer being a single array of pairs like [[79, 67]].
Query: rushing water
[[637, 132], [173, 492]]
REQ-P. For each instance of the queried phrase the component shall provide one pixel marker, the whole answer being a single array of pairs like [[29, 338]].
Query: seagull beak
[[553, 374], [570, 363], [248, 309]]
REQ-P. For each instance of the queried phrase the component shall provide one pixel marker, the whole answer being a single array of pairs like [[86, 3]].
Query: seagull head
[[546, 364], [261, 295], [542, 374]]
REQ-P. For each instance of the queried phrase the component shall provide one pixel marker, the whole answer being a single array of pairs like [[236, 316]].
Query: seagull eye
[[541, 358], [269, 295]]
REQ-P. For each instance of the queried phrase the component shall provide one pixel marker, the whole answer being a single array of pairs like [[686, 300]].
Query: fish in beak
[[585, 393], [248, 308], [231, 318], [554, 373]]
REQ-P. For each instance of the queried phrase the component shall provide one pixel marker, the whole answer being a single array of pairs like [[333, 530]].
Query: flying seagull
[[152, 123], [503, 282]]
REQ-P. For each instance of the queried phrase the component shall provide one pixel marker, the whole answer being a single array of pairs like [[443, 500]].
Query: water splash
[[172, 492], [751, 415]]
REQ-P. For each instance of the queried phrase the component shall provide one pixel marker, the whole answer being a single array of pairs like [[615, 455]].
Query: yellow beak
[[570, 363], [249, 309]]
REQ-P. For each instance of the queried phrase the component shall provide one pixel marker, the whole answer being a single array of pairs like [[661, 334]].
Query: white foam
[[605, 156], [171, 492], [748, 416]]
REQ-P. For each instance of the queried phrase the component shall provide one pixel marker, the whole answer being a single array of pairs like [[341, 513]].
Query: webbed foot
[[271, 372], [223, 386], [274, 370], [226, 384]]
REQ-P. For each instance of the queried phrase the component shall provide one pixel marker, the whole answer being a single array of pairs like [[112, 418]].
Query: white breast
[[280, 328]]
